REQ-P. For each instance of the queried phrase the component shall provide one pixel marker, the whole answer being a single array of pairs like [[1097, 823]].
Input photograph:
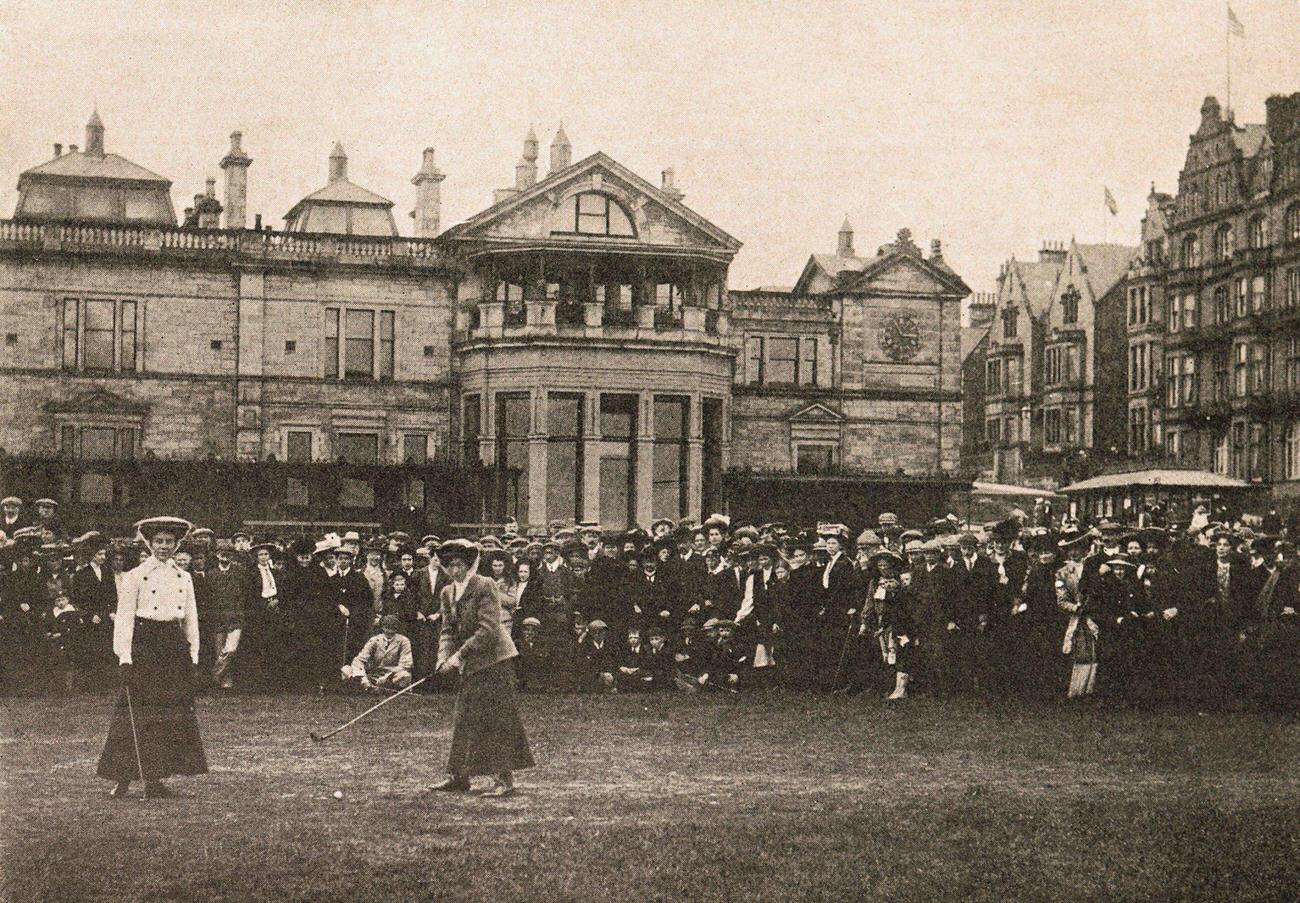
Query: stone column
[[248, 393], [537, 460], [695, 460], [645, 461], [591, 459]]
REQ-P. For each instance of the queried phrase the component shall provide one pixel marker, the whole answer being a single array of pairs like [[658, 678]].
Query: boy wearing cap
[[385, 661], [229, 588]]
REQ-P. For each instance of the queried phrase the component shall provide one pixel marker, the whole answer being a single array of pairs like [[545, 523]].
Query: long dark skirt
[[162, 705], [487, 736]]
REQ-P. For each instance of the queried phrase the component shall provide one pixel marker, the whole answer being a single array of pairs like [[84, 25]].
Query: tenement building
[[573, 352], [1232, 299]]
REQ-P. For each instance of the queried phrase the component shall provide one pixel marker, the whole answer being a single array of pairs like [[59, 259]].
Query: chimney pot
[[428, 197], [257, 222], [211, 187], [561, 151], [936, 249], [72, 148], [338, 163], [58, 149]]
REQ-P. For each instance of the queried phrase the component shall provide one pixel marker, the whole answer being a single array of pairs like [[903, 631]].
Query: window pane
[[513, 424], [70, 333], [754, 356], [331, 342], [817, 458], [385, 344], [670, 417], [512, 410], [96, 489], [711, 422], [99, 335], [591, 203], [562, 478], [415, 448], [126, 439], [97, 443], [359, 360], [808, 362], [299, 447], [471, 428], [669, 477], [127, 356], [618, 416], [619, 224], [359, 448], [782, 355], [564, 415]]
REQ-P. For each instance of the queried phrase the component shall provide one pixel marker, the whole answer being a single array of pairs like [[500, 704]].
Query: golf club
[[318, 737]]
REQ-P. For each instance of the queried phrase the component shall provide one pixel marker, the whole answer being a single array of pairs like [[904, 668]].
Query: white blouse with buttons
[[156, 591]]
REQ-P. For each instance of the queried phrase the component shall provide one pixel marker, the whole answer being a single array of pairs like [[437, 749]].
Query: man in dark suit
[[975, 589], [1007, 606], [429, 582], [840, 599], [351, 590], [94, 593], [932, 588]]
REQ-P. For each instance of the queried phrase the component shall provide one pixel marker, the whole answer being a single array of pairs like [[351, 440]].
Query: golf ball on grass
[[338, 794]]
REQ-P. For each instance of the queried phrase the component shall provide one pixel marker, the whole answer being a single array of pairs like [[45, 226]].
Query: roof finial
[[95, 134], [338, 163]]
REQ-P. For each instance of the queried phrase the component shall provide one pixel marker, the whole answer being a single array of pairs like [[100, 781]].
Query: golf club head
[[316, 736]]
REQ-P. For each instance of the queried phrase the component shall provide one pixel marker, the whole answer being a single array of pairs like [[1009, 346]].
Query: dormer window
[[1010, 316], [592, 213]]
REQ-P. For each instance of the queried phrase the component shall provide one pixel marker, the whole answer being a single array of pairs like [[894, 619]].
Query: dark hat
[[1264, 546], [458, 550], [491, 555], [571, 548], [90, 542], [301, 546], [655, 630], [1005, 530], [886, 555], [908, 535], [763, 549], [968, 539]]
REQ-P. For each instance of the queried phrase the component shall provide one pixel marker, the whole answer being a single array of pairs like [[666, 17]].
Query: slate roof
[[81, 165]]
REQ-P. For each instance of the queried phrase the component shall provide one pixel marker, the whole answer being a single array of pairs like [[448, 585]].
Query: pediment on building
[[641, 213], [816, 413], [98, 401], [898, 272]]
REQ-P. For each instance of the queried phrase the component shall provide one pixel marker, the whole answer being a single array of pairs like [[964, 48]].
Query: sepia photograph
[[577, 450]]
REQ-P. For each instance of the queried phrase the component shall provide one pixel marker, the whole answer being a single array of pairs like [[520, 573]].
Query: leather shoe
[[452, 785], [499, 791]]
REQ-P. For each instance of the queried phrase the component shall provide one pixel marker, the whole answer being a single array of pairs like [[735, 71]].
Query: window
[[814, 459], [617, 468], [298, 447], [993, 377], [1190, 251], [1173, 364], [1256, 450], [415, 448], [1292, 374], [358, 448], [367, 347], [514, 422], [99, 335], [711, 427], [1259, 294], [618, 416], [1222, 305], [1014, 375], [511, 295], [668, 304], [1258, 367], [1069, 426], [98, 443], [1257, 232], [1241, 305], [781, 360], [754, 360], [1241, 362], [1293, 451], [1070, 305], [1189, 311], [564, 461], [1174, 445], [1293, 287], [672, 426], [1010, 316], [1221, 453], [1138, 435], [1060, 364], [1052, 426], [1224, 241], [1175, 314], [1237, 461], [993, 430], [1219, 364], [470, 428], [599, 214], [1139, 367], [1292, 223]]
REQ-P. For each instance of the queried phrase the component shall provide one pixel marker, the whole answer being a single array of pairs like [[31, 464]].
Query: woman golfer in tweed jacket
[[487, 736]]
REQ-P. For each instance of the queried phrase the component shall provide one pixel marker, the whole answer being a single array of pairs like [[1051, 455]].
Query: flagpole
[[1227, 47]]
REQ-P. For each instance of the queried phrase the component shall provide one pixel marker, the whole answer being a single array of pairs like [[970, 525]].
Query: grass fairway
[[766, 797]]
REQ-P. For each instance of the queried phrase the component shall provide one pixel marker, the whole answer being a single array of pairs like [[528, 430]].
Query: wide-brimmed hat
[[151, 526], [330, 542]]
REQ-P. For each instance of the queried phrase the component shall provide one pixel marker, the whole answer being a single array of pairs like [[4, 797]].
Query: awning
[[1007, 489], [1167, 479]]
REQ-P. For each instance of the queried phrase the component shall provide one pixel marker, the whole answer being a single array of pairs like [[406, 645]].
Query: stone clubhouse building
[[573, 352]]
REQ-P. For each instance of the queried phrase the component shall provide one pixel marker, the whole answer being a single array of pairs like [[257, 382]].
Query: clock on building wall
[[901, 338]]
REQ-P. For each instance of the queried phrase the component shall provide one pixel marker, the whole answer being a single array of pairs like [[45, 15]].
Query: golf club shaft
[[135, 739], [380, 704]]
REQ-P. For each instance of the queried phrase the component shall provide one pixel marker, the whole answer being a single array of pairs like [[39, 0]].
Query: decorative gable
[[816, 413], [902, 274]]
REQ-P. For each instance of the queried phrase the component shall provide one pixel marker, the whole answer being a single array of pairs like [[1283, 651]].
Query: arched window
[[593, 213], [1223, 242], [1191, 252], [1293, 223]]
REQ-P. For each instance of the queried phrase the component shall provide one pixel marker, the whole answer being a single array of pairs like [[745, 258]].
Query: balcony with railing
[[164, 242]]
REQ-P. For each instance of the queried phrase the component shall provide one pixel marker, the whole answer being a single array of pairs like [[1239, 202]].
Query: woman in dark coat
[[487, 735], [154, 733]]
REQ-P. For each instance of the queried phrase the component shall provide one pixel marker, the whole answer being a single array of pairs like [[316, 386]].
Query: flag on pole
[[1234, 24], [1110, 203]]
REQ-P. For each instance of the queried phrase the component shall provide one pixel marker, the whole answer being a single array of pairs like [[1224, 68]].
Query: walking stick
[[844, 651], [135, 739], [347, 625], [318, 737]]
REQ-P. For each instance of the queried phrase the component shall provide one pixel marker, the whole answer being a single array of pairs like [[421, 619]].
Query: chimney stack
[[561, 151], [936, 250], [670, 185], [845, 246], [428, 197], [95, 136], [207, 209], [236, 163], [526, 168], [72, 148], [338, 163], [58, 149]]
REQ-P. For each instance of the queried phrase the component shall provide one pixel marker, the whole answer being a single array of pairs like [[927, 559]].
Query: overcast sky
[[992, 126]]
